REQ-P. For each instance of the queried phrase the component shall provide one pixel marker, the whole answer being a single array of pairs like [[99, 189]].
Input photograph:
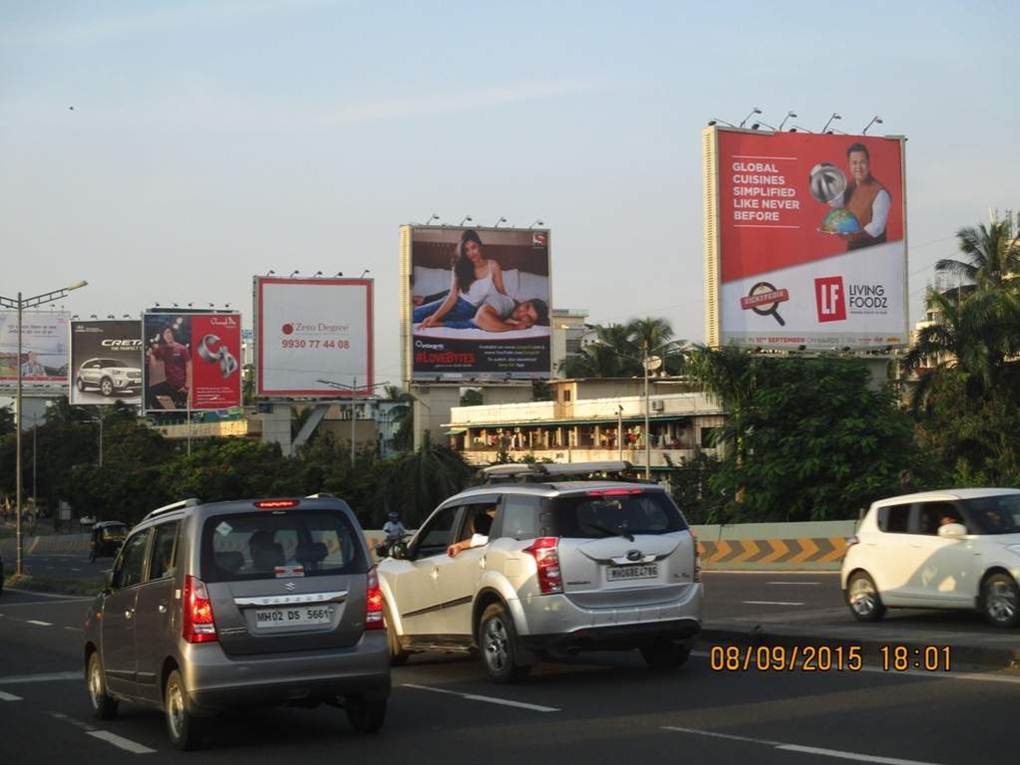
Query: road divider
[[809, 546]]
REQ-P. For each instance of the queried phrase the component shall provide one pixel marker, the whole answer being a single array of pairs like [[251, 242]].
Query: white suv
[[947, 549], [547, 569]]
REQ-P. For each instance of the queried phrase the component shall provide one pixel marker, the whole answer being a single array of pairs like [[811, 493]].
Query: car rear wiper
[[615, 532]]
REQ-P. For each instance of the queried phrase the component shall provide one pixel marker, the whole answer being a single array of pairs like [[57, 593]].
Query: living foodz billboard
[[805, 239], [106, 362], [475, 303], [309, 330], [44, 353], [192, 361]]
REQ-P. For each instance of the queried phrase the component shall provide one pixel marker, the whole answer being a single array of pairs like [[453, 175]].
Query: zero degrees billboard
[[106, 362], [476, 303], [805, 240], [192, 361], [307, 330]]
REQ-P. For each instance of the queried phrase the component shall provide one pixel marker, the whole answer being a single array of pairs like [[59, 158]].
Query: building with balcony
[[592, 419]]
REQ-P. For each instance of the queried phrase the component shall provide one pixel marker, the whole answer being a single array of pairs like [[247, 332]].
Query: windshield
[[995, 515], [267, 545], [591, 516]]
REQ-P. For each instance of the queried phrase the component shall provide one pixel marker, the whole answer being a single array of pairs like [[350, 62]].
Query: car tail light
[[374, 603], [276, 504], [612, 492], [544, 551], [199, 625]]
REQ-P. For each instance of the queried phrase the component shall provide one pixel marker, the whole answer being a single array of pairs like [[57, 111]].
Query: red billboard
[[192, 361], [805, 239]]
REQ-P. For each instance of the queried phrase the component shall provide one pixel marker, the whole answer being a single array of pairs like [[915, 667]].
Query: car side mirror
[[398, 551], [108, 582], [953, 531]]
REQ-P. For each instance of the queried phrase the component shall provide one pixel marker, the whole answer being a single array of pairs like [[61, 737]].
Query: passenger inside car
[[476, 530]]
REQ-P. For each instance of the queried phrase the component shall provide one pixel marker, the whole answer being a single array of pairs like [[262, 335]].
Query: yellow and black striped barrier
[[753, 553]]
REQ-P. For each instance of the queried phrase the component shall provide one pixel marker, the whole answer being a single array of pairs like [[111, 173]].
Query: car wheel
[[497, 640], [365, 716], [863, 598], [185, 729], [104, 706], [398, 656], [106, 386], [1000, 600], [664, 654], [80, 383]]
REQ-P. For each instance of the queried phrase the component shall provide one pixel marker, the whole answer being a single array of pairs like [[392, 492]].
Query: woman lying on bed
[[473, 279]]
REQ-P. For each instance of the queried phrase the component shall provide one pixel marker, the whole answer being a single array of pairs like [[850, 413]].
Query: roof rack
[[322, 495], [542, 471], [189, 502]]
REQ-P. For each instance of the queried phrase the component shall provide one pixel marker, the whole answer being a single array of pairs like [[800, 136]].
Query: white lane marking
[[771, 603], [75, 723], [74, 629], [799, 584], [47, 595], [119, 741], [44, 677], [486, 699], [39, 623], [974, 677], [9, 697], [797, 748]]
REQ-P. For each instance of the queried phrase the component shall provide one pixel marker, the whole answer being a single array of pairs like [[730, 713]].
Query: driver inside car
[[476, 532]]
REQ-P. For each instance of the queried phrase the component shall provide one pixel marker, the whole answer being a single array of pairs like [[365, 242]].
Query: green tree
[[811, 439], [992, 253], [415, 483], [402, 414]]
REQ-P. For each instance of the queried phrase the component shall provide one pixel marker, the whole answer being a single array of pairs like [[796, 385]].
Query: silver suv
[[542, 569], [244, 603], [109, 375]]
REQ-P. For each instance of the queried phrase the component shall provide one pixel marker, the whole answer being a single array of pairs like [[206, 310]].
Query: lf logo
[[830, 299]]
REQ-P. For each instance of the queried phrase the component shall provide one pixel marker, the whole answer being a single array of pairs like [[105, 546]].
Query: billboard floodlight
[[753, 112], [834, 116], [874, 120], [788, 115]]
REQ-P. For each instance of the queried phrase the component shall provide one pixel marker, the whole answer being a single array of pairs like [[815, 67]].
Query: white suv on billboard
[[109, 376], [944, 549]]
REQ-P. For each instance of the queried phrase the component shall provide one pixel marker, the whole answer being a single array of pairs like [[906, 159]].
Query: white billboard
[[45, 354], [307, 330]]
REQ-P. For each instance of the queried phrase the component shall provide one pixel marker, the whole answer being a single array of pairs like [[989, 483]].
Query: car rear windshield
[[995, 515], [591, 516], [279, 544]]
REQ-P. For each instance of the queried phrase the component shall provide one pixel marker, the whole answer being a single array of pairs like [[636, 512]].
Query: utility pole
[[353, 389], [20, 304], [646, 434]]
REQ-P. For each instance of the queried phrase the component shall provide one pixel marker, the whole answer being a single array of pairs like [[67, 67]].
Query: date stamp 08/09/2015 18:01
[[825, 658]]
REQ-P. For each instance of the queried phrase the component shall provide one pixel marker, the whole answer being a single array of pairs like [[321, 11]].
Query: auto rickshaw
[[107, 537]]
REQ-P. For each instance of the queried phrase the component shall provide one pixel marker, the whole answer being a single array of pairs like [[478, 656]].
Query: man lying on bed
[[500, 313]]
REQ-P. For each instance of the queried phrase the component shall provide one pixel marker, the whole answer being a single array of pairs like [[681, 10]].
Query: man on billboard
[[32, 367], [865, 199], [176, 359], [500, 313]]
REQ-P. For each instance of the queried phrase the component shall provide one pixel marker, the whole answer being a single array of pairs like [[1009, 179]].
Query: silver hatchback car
[[244, 603], [546, 568]]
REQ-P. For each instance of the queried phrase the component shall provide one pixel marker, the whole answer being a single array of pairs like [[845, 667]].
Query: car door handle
[[481, 562], [434, 573], [161, 608]]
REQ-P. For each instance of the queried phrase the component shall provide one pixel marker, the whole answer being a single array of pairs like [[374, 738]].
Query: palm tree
[[419, 481], [974, 338], [992, 253], [403, 416], [649, 333]]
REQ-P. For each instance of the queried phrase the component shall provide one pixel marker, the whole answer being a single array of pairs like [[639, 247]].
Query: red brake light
[[199, 625], [612, 492], [374, 603], [544, 551], [275, 504]]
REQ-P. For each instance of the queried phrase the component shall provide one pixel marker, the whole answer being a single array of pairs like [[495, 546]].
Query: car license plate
[[293, 616], [626, 573]]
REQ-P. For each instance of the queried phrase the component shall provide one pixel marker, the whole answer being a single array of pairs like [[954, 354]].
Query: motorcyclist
[[393, 528]]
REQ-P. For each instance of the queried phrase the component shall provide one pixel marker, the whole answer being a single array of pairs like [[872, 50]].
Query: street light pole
[[20, 304], [353, 389], [648, 441]]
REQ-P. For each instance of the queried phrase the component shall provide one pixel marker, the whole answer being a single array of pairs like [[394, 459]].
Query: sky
[[210, 141]]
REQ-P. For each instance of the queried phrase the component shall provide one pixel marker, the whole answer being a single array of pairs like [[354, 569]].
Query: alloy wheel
[[497, 644]]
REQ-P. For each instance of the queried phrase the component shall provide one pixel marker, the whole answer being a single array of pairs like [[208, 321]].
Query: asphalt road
[[600, 708]]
